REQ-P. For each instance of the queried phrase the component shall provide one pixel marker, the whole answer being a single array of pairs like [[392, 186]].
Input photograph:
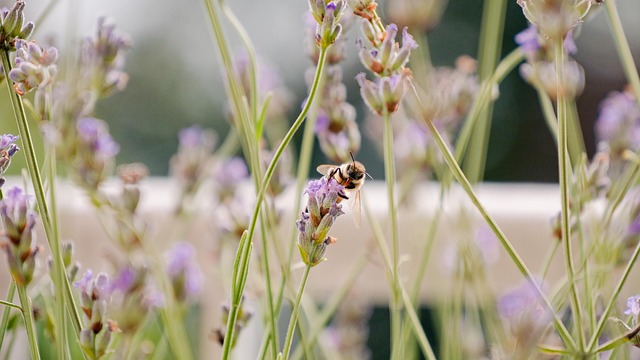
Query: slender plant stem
[[604, 316], [267, 178], [564, 169], [547, 111], [61, 348], [624, 51], [272, 319], [490, 46], [506, 244], [59, 278], [294, 314], [8, 304], [427, 351], [27, 314], [330, 307], [390, 176], [5, 312]]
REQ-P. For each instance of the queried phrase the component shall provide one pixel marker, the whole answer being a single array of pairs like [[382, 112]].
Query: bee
[[351, 175]]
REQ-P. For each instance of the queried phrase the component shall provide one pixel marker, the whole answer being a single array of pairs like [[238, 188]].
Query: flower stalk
[[61, 282]]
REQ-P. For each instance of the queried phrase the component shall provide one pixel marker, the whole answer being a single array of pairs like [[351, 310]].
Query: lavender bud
[[26, 30], [12, 23], [67, 253], [315, 222]]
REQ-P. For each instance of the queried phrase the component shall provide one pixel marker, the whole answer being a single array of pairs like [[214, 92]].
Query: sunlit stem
[[564, 170]]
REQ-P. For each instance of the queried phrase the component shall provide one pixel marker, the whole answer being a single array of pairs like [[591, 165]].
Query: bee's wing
[[325, 169], [356, 207]]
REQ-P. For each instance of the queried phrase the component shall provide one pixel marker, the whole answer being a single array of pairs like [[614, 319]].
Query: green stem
[[417, 327], [490, 46], [294, 314], [604, 316], [564, 169], [506, 244], [5, 313], [59, 278], [267, 178], [329, 308], [244, 37], [547, 111], [622, 45], [272, 319], [390, 176], [27, 314]]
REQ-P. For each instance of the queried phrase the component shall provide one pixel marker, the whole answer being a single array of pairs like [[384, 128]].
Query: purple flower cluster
[[315, 222], [8, 148], [97, 329], [336, 127], [618, 123], [35, 66], [95, 152], [133, 297], [103, 59], [190, 165], [387, 60], [525, 317], [17, 240], [13, 27], [327, 16], [184, 273]]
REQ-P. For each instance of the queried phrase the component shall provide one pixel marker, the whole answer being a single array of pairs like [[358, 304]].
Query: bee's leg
[[342, 195]]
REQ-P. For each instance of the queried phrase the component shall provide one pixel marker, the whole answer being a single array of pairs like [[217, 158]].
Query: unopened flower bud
[[12, 23]]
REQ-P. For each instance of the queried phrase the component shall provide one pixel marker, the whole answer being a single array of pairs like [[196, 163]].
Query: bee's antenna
[[352, 158]]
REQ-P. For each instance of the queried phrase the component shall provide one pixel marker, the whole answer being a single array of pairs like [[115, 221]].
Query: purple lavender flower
[[184, 273], [528, 41], [633, 306], [8, 148], [525, 318], [315, 222], [190, 164], [35, 66], [618, 123], [327, 16], [126, 280], [13, 26], [103, 59], [336, 127], [228, 174], [388, 57], [94, 136], [17, 239], [97, 329], [383, 95]]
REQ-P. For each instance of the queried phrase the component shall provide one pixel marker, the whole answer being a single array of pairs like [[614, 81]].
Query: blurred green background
[[175, 74]]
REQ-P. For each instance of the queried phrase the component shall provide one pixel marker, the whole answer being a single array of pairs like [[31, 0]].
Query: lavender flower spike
[[17, 240], [314, 224], [8, 148], [35, 66], [95, 295], [184, 273]]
